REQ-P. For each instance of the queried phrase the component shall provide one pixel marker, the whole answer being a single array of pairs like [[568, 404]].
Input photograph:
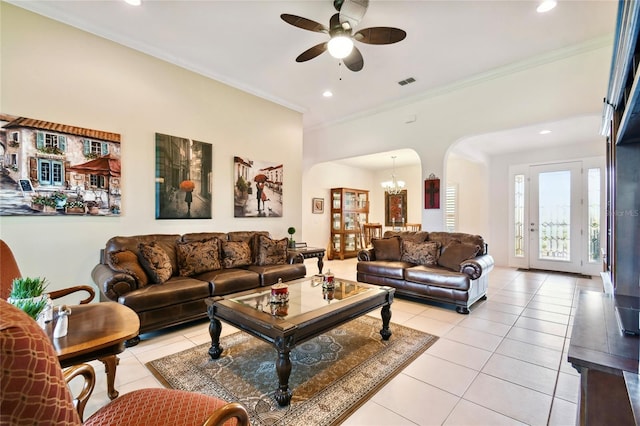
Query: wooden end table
[[311, 311], [310, 252], [96, 331]]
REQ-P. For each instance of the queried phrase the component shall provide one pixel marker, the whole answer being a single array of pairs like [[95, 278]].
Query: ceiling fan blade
[[304, 23], [312, 52], [352, 11], [380, 35], [354, 61]]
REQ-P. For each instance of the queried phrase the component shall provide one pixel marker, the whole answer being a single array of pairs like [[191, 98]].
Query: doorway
[[556, 216]]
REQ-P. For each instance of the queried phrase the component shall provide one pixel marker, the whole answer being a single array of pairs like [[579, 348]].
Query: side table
[[96, 331], [310, 252]]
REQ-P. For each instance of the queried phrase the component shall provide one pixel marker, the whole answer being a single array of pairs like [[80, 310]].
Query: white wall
[[543, 89], [56, 73], [474, 194]]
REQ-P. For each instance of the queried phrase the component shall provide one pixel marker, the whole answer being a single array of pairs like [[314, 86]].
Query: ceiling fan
[[340, 44]]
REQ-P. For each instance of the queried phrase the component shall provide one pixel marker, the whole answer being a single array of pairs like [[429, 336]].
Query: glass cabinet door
[[349, 200], [336, 199], [362, 200], [337, 242], [335, 222]]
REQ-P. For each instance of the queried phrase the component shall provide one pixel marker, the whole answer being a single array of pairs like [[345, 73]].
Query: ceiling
[[245, 44]]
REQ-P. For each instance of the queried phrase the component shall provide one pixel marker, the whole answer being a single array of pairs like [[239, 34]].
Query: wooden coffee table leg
[[386, 318], [283, 368], [110, 362], [215, 328], [320, 263]]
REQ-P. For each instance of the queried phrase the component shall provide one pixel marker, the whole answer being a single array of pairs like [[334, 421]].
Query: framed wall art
[[432, 192], [317, 205], [395, 209], [257, 188], [183, 178], [57, 169]]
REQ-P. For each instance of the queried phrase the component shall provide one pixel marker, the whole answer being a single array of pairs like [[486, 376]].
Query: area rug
[[332, 374]]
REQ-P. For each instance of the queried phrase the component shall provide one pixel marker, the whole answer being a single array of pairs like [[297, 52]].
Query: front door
[[556, 217]]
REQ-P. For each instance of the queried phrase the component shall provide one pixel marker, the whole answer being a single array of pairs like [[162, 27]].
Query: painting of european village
[[57, 169], [257, 188]]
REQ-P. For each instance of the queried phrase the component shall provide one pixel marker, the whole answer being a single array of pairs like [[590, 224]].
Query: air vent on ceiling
[[406, 81]]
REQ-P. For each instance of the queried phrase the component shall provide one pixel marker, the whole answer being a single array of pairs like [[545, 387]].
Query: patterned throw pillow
[[236, 253], [387, 248], [454, 253], [271, 252], [420, 253], [196, 257], [155, 262], [127, 261]]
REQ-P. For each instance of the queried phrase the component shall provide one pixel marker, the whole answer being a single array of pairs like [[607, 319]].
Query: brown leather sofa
[[438, 266], [169, 290]]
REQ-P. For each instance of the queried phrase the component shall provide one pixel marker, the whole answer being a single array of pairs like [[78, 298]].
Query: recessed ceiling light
[[545, 132], [327, 93], [134, 2], [546, 5]]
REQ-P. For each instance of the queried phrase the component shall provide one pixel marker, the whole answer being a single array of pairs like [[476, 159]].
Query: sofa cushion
[[236, 253], [383, 268], [127, 261], [454, 253], [155, 262], [445, 238], [250, 237], [437, 276], [387, 248], [195, 257], [420, 253], [271, 252]]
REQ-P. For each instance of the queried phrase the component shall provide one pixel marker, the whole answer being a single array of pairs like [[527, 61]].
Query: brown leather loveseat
[[166, 279], [439, 266]]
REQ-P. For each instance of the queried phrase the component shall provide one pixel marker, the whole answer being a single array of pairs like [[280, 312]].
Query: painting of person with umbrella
[[260, 180]]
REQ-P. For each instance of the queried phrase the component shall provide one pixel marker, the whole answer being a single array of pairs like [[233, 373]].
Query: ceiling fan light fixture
[[133, 2], [340, 46], [546, 5]]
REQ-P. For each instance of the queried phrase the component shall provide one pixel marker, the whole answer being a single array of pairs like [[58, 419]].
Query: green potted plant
[[60, 198], [292, 242], [43, 203], [29, 295]]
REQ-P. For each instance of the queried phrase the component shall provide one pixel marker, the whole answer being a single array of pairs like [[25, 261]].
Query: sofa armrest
[[294, 258], [477, 266], [366, 255], [111, 283]]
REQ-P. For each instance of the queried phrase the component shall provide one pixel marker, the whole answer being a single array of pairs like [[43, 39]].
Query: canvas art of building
[[56, 169]]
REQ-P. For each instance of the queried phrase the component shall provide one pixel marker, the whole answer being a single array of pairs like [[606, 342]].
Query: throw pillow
[[196, 257], [420, 253], [127, 261], [454, 253], [271, 252], [236, 253], [155, 262], [387, 248]]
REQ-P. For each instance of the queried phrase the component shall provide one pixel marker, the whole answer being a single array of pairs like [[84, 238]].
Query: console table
[[310, 252], [603, 356]]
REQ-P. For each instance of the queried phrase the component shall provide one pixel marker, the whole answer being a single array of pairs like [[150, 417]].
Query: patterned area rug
[[332, 375]]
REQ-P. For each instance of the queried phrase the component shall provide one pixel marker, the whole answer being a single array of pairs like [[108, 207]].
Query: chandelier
[[393, 186]]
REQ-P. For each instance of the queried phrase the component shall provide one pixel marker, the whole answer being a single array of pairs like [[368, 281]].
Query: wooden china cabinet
[[349, 210]]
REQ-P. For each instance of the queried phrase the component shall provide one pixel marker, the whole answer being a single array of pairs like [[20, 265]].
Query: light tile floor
[[504, 363]]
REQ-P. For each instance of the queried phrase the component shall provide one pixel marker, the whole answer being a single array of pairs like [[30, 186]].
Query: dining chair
[[413, 227], [371, 231]]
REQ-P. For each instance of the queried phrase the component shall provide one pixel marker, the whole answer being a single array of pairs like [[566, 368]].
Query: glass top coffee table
[[310, 312]]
